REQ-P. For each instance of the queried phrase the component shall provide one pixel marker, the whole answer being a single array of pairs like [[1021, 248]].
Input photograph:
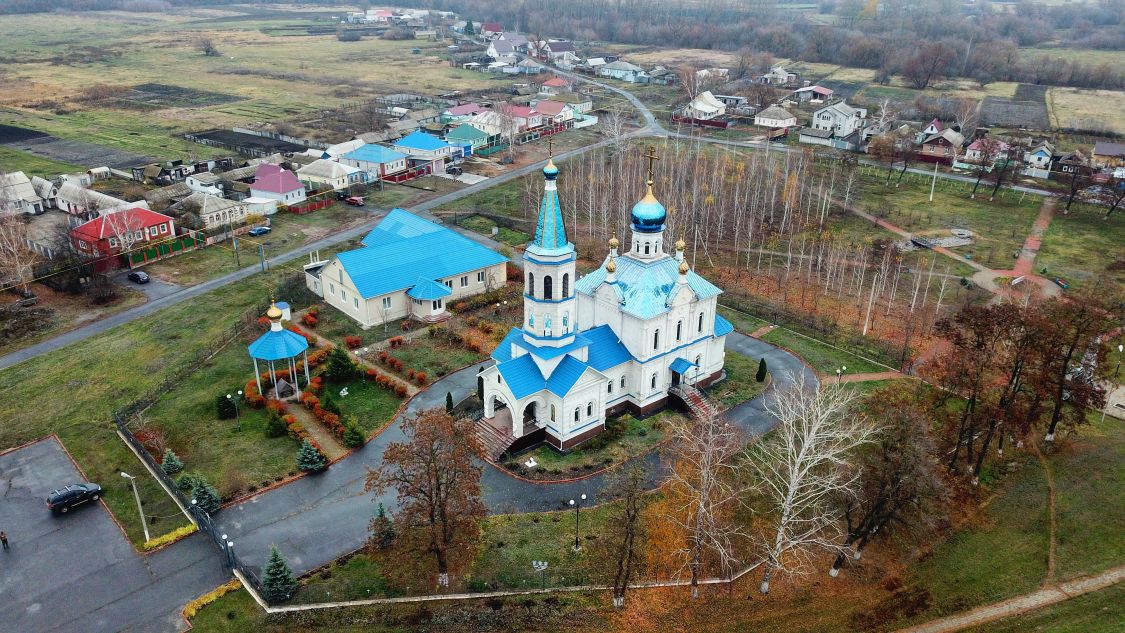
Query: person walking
[[4, 540]]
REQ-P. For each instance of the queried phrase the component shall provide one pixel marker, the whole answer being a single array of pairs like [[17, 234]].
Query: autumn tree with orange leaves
[[438, 487]]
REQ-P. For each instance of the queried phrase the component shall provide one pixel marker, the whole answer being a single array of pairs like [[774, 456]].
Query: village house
[[215, 212], [624, 71], [942, 147], [408, 267], [525, 117], [86, 204], [205, 182], [499, 49], [274, 182], [1107, 154], [840, 118], [118, 232], [552, 50], [379, 162], [812, 94], [580, 103], [425, 152], [778, 76], [47, 191], [704, 107], [1039, 159], [491, 29], [662, 76], [18, 195], [554, 86], [468, 138], [775, 117], [974, 153], [553, 112], [460, 113], [326, 173], [1075, 163], [529, 67], [519, 42]]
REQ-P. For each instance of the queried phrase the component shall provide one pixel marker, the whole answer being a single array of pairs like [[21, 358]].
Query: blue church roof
[[722, 326], [606, 349], [372, 153], [422, 141], [278, 345], [681, 365], [550, 229], [523, 377], [404, 248], [644, 287], [428, 289], [648, 215]]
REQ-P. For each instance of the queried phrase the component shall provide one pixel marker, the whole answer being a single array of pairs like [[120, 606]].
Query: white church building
[[618, 339]]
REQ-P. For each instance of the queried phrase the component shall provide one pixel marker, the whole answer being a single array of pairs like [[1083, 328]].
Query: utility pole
[[934, 183], [234, 243], [870, 302], [144, 523]]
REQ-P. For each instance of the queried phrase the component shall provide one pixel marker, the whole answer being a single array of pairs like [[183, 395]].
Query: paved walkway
[[1022, 604]]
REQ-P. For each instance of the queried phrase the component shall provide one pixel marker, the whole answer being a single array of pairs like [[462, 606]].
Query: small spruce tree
[[480, 386], [172, 463], [761, 370], [353, 435], [278, 583], [275, 426], [309, 459], [224, 407], [187, 482], [341, 367], [206, 497], [449, 402], [469, 29], [382, 529]]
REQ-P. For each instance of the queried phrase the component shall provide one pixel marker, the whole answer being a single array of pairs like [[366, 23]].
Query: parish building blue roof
[[422, 141], [523, 377], [278, 345], [372, 153], [645, 287], [404, 248], [428, 289], [722, 326]]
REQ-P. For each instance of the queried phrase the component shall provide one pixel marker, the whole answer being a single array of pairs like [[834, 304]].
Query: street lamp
[[133, 481], [577, 506], [541, 567], [237, 414], [839, 373], [230, 552]]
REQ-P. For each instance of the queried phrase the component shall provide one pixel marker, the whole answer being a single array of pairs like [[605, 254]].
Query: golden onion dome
[[684, 268], [613, 243], [611, 267], [274, 313], [680, 244]]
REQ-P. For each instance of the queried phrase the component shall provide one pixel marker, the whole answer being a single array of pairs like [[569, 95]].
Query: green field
[[32, 165], [1083, 244], [822, 357], [1098, 612], [482, 225], [624, 438]]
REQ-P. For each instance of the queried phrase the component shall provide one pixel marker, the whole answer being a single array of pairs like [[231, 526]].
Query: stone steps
[[492, 442]]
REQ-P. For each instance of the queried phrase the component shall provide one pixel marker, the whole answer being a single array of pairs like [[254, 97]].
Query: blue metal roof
[[277, 345], [681, 366], [568, 372], [606, 349], [550, 229], [372, 153], [648, 215], [421, 140], [428, 289], [645, 287], [722, 326], [523, 377], [503, 351], [404, 247]]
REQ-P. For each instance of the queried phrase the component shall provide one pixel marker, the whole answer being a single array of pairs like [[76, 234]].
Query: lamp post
[[237, 414], [137, 495], [541, 567], [840, 372], [577, 506]]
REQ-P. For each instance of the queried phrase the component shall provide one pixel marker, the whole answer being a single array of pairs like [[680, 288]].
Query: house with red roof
[[554, 112], [118, 232], [491, 29], [554, 86], [463, 112], [524, 116], [276, 183]]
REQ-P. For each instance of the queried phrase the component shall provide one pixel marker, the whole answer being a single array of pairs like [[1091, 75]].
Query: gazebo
[[279, 344]]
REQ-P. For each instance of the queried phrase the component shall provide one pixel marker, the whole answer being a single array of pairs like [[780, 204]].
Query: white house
[[18, 195], [705, 107], [87, 204], [623, 71], [775, 117], [376, 160], [408, 267], [272, 181], [216, 212], [553, 112], [840, 118], [424, 149], [328, 173], [205, 182], [1038, 160]]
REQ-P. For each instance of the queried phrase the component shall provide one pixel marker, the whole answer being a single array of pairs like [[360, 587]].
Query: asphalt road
[[154, 289], [77, 572]]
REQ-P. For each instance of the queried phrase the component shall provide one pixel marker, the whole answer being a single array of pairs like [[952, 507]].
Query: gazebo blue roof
[[278, 345], [428, 289]]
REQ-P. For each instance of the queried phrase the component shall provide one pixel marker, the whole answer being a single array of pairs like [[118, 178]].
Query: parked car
[[1062, 283], [259, 230], [355, 201], [341, 195], [62, 500], [139, 276], [454, 171]]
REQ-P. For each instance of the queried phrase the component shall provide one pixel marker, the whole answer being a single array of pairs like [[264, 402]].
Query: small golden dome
[[680, 244], [613, 243], [274, 313], [684, 267], [611, 267]]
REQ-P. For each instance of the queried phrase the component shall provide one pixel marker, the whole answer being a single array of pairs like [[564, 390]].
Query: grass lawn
[[32, 165], [68, 312], [999, 227], [1099, 612], [73, 391], [1116, 359], [624, 437], [483, 225], [372, 406], [334, 325], [741, 382], [822, 357], [433, 357], [745, 323], [232, 460], [1081, 245]]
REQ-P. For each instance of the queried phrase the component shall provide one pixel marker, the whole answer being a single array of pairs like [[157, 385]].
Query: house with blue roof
[[408, 267], [425, 152], [379, 162], [622, 338]]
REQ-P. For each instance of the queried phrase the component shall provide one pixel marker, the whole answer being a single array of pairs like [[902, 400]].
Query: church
[[618, 339]]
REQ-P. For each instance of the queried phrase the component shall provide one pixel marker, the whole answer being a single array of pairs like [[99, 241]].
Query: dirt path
[[1025, 265], [762, 331], [1052, 544], [327, 440], [1022, 604], [876, 375]]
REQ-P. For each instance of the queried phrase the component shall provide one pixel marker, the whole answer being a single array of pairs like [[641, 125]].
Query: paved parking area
[[154, 289], [77, 572]]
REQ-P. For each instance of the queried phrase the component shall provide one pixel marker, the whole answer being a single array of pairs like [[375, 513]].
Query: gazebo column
[[308, 381], [293, 375], [258, 377], [273, 376]]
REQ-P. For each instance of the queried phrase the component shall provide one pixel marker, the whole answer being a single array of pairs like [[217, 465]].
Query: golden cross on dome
[[551, 146], [650, 154]]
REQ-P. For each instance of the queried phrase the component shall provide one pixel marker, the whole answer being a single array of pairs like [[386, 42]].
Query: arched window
[[566, 286], [548, 291], [609, 387], [646, 248], [623, 382], [531, 284], [552, 413], [497, 378], [547, 325], [575, 414], [653, 381], [566, 322], [699, 361], [589, 408], [531, 320], [656, 339], [700, 321], [679, 329]]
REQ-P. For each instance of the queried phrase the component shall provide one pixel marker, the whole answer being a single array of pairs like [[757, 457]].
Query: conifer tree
[[761, 370], [449, 402], [353, 435], [278, 583], [341, 367], [382, 529], [224, 407], [172, 463], [206, 497], [310, 459]]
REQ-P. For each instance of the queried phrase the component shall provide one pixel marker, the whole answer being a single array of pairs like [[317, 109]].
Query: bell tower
[[549, 304]]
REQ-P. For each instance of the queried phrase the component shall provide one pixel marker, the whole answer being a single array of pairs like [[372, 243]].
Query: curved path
[[318, 518]]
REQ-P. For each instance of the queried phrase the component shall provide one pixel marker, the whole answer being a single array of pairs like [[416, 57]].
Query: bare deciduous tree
[[17, 259], [801, 467], [622, 544]]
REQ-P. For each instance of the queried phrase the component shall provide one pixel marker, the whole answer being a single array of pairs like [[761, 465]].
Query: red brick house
[[119, 232]]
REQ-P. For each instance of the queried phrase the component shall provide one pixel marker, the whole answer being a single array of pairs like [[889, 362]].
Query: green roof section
[[465, 133]]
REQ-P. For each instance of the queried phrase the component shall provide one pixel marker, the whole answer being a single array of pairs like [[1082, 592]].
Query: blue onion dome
[[550, 172], [649, 214]]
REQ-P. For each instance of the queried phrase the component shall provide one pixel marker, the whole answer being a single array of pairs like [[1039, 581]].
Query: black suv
[[63, 499]]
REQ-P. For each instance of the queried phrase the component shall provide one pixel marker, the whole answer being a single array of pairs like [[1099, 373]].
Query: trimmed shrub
[[275, 426], [309, 320], [309, 459], [352, 341], [341, 367], [761, 370], [353, 436], [400, 391], [420, 377], [171, 463]]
